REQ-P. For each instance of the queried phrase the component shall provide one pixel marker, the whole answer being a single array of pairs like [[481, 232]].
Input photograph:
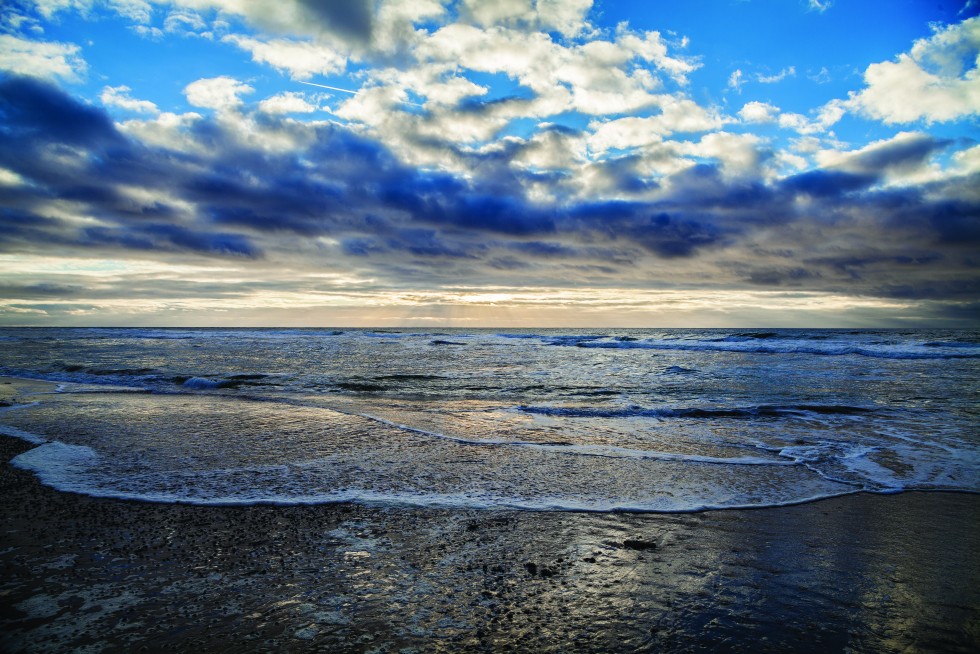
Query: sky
[[507, 163]]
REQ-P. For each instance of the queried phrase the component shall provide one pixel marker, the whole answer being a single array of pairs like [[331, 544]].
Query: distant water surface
[[636, 420]]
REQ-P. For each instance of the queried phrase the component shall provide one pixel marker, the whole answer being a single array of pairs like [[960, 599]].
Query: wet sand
[[863, 573]]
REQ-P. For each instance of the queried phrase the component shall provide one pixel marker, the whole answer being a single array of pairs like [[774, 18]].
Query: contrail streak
[[337, 88], [332, 88]]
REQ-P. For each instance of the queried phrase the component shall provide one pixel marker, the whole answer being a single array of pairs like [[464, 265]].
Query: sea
[[641, 420]]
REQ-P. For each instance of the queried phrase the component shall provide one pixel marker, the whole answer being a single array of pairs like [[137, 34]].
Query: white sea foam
[[78, 469], [22, 435], [545, 421], [57, 464]]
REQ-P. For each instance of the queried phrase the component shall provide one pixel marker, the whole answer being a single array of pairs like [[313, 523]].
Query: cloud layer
[[595, 168]]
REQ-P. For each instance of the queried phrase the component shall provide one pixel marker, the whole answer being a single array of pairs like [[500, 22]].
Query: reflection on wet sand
[[861, 573]]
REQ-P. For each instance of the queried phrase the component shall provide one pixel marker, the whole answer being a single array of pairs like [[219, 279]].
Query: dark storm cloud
[[828, 183], [544, 249], [36, 291], [361, 247], [853, 264], [33, 111], [968, 312], [427, 243], [703, 193], [672, 236], [501, 215], [164, 237], [351, 179], [662, 233], [144, 288], [956, 221], [779, 276], [21, 229], [210, 242], [958, 289], [231, 198], [862, 170]]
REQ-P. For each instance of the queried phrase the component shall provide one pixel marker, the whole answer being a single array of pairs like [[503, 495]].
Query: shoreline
[[858, 573], [12, 387]]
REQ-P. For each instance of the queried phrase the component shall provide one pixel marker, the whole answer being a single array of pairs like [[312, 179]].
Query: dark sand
[[864, 573]]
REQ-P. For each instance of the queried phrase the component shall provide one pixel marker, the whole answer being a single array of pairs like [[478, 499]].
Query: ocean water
[[615, 420]]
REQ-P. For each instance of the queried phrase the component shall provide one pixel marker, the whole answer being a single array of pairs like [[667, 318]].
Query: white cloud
[[826, 116], [807, 144], [879, 155], [758, 112], [966, 162], [220, 93], [495, 50], [184, 21], [394, 28], [154, 33], [677, 115], [49, 8], [821, 77], [450, 91], [497, 12], [139, 11], [167, 130], [788, 161], [619, 93], [820, 5], [10, 178], [906, 159], [301, 59], [363, 27], [598, 77], [797, 122], [738, 154], [118, 96], [937, 81], [12, 20], [41, 59], [278, 16], [683, 115], [735, 80], [286, 103], [830, 113], [778, 77], [651, 48], [622, 134], [564, 16], [663, 159], [552, 149], [434, 82], [602, 77]]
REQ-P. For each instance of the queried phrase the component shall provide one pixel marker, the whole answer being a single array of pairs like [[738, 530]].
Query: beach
[[365, 492], [861, 573]]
